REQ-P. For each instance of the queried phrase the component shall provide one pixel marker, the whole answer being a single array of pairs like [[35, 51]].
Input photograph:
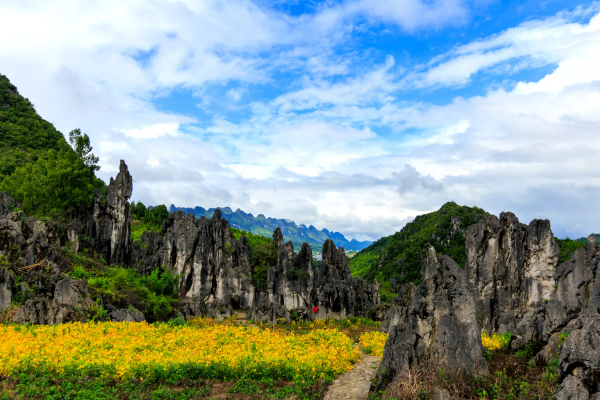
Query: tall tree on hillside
[[80, 142]]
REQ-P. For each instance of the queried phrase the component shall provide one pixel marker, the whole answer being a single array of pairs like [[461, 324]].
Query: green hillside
[[24, 135], [400, 255], [38, 168]]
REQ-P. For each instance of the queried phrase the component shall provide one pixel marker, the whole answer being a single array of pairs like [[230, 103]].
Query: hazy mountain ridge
[[262, 225]]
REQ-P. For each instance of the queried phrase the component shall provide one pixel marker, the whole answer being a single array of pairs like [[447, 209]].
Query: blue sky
[[350, 115]]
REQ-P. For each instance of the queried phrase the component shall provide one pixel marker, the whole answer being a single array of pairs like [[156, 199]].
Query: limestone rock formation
[[213, 265], [334, 292], [126, 315], [511, 268], [23, 239], [107, 228], [580, 362], [437, 324], [290, 282], [70, 300], [367, 297], [7, 284]]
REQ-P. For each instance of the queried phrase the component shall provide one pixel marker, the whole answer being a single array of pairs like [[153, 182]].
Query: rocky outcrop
[[126, 315], [437, 324], [573, 292], [511, 267], [367, 297], [24, 240], [334, 293], [213, 265], [71, 299], [580, 362], [290, 282], [107, 229], [7, 285]]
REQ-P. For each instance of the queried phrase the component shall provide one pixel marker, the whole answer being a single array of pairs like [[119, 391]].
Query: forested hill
[[23, 133], [399, 256], [261, 225], [47, 176]]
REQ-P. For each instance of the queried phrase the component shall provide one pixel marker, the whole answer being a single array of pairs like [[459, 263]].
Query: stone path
[[354, 384]]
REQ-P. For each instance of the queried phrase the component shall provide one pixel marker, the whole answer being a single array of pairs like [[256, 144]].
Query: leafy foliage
[[400, 256], [264, 255], [155, 294], [82, 147], [567, 248], [55, 184], [147, 219], [37, 166]]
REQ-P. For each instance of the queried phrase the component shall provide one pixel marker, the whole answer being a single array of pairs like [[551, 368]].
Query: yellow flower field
[[373, 342], [495, 341], [139, 350]]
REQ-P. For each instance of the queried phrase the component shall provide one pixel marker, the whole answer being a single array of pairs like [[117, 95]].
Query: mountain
[[398, 258], [261, 225], [24, 135]]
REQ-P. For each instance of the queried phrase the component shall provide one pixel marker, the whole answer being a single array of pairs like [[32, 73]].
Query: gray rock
[[72, 293], [575, 280], [438, 327], [580, 360], [334, 293], [571, 389], [290, 282], [107, 228], [268, 312], [127, 315], [7, 285], [42, 311], [25, 240], [400, 310], [213, 265], [379, 312], [440, 394], [511, 267], [366, 297]]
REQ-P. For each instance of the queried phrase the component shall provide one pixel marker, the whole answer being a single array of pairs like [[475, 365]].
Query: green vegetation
[[37, 166], [567, 248], [179, 384], [155, 295], [56, 183], [24, 135], [264, 255], [400, 256], [145, 219]]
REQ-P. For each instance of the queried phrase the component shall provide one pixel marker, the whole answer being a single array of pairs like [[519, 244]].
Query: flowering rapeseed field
[[140, 350], [495, 341], [373, 342]]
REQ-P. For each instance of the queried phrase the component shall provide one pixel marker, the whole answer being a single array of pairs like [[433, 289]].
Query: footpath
[[354, 384]]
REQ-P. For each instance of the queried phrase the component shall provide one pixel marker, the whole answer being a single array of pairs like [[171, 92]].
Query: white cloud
[[336, 146]]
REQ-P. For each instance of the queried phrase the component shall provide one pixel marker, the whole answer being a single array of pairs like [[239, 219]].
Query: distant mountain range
[[261, 225]]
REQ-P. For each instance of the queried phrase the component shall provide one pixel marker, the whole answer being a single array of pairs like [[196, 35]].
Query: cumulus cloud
[[319, 134]]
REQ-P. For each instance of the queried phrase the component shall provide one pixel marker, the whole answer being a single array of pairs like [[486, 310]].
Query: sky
[[350, 115]]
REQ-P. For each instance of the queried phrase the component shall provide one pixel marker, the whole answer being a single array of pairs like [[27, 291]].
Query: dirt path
[[354, 384]]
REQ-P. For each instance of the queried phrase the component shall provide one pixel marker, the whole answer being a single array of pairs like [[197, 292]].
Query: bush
[[155, 294]]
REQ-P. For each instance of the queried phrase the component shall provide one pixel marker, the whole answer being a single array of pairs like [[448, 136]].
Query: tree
[[158, 214], [82, 147], [58, 182]]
